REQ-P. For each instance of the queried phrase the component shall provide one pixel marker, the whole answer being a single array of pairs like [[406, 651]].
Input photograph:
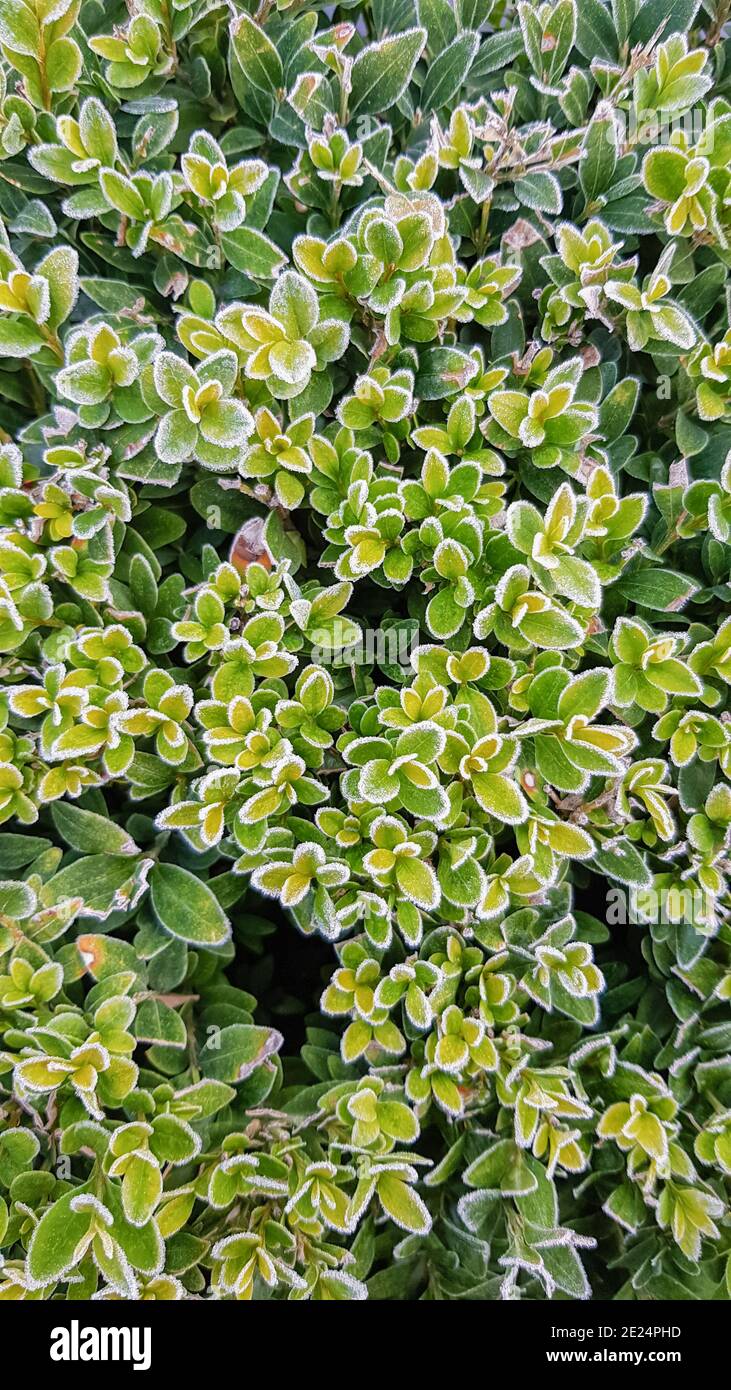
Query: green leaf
[[625, 1206], [418, 883], [19, 28], [284, 542], [382, 72], [110, 295], [185, 907], [253, 253], [19, 338], [121, 193], [18, 1148], [499, 797], [565, 1268], [403, 1205], [18, 850], [617, 409], [669, 16], [232, 1054], [443, 371], [540, 191], [439, 20], [63, 64], [141, 1188], [663, 590], [448, 71], [495, 52], [142, 1245], [56, 1238], [156, 1022], [554, 629], [595, 33], [599, 153], [104, 882], [259, 59], [501, 1168], [60, 268], [621, 861], [90, 833]]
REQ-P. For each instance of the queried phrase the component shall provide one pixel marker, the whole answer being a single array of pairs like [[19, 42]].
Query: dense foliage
[[366, 646]]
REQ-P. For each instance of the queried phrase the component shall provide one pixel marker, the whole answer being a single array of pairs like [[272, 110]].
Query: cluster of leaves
[[365, 630]]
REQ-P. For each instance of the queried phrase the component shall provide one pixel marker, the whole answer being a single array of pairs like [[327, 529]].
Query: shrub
[[366, 633]]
